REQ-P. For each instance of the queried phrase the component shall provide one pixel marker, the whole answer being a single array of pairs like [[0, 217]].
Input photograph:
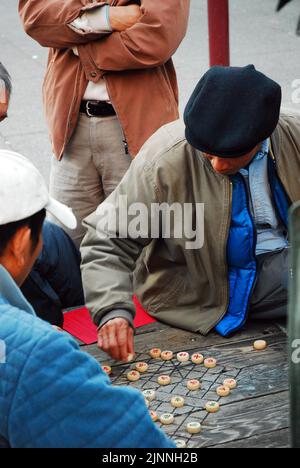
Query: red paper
[[142, 317], [78, 323]]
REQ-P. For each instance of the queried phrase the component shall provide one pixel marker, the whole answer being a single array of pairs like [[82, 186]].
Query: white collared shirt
[[95, 21]]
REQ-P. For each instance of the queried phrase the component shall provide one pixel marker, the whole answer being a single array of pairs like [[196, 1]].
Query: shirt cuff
[[94, 21], [117, 313]]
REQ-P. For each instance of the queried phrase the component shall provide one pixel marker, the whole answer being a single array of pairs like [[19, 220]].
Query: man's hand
[[116, 339], [122, 18]]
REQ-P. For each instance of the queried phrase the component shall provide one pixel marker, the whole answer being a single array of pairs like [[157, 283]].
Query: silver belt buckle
[[88, 110]]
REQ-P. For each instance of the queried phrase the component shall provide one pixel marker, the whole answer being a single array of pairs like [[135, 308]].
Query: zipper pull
[[126, 147], [272, 153]]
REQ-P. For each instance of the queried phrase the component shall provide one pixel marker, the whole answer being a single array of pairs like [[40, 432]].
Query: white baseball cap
[[23, 192]]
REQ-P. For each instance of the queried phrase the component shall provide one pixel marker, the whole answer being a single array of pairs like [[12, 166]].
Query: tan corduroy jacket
[[184, 288], [136, 65]]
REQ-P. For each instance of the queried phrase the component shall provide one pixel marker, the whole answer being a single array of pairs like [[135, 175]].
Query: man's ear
[[20, 246], [3, 92]]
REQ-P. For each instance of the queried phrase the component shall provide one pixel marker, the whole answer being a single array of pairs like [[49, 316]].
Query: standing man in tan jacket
[[110, 84]]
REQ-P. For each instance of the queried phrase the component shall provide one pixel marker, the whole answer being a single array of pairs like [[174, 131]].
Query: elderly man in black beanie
[[240, 158]]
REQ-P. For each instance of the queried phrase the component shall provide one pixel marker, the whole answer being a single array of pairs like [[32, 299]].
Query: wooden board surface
[[254, 415]]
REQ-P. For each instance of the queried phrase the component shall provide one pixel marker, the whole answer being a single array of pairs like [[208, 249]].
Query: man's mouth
[[228, 172]]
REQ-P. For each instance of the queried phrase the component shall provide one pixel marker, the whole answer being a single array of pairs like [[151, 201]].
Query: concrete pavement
[[258, 35]]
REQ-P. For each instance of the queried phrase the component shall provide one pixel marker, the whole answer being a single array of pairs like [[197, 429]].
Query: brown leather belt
[[97, 109]]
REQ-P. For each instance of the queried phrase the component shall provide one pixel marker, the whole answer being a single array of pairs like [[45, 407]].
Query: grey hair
[[5, 76]]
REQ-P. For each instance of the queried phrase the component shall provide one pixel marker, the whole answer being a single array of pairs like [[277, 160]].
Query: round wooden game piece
[[133, 376], [183, 357], [141, 367], [154, 416], [164, 380], [149, 394], [166, 355], [130, 357], [231, 383], [193, 427], [193, 384], [180, 443], [223, 391], [197, 358], [212, 407], [106, 369], [155, 353], [167, 419], [260, 345], [210, 363], [147, 403], [177, 402]]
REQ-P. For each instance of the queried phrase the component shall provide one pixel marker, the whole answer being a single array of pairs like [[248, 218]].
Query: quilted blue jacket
[[54, 395]]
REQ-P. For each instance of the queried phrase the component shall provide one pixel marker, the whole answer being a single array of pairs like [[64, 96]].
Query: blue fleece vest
[[241, 246]]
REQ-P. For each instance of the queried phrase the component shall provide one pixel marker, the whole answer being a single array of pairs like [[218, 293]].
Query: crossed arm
[[49, 22], [142, 37]]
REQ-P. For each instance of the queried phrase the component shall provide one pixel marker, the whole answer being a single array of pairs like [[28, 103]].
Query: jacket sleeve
[[110, 248], [49, 21], [149, 43], [64, 400]]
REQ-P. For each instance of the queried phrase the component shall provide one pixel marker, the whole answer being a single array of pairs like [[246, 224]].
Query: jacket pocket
[[169, 294], [162, 289]]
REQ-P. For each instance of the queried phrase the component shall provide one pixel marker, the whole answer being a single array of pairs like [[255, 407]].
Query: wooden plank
[[151, 327], [243, 354], [243, 420], [255, 413], [275, 439], [253, 382], [178, 340]]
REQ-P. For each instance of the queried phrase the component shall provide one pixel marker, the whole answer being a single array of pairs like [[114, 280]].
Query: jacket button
[[93, 74]]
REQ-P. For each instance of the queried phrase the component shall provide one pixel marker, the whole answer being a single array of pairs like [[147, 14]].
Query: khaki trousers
[[92, 166]]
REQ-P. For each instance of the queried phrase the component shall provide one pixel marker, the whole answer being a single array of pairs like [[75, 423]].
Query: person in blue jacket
[[52, 395]]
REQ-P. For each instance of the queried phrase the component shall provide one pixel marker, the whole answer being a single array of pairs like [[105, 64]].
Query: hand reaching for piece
[[124, 17], [116, 339]]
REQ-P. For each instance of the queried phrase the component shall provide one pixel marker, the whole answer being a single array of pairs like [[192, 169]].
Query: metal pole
[[294, 325], [218, 25]]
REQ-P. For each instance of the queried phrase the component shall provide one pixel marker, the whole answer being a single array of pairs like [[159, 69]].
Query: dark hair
[[35, 224], [5, 76]]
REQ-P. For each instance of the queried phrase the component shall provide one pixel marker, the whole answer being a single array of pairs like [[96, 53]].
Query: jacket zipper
[[126, 147], [225, 256], [254, 256], [226, 246], [71, 110]]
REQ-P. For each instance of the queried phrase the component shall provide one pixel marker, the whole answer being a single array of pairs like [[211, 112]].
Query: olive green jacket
[[188, 289]]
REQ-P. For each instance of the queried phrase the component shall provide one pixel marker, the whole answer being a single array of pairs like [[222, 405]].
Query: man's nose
[[219, 164]]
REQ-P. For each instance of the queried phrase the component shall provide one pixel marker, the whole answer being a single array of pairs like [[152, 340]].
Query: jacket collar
[[11, 294], [275, 142], [259, 155]]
